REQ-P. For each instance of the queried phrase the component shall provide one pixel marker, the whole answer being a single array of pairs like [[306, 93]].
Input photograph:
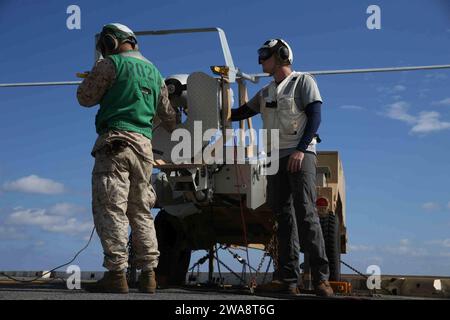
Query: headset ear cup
[[110, 42], [283, 53]]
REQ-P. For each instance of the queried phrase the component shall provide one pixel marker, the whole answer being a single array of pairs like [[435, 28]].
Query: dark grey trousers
[[298, 228]]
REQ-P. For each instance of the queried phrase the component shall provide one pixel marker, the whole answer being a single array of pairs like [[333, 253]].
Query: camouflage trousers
[[122, 196]]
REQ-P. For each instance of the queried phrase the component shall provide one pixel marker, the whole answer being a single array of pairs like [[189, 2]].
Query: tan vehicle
[[330, 204], [191, 222]]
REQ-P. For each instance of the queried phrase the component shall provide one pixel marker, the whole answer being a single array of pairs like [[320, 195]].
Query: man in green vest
[[131, 92]]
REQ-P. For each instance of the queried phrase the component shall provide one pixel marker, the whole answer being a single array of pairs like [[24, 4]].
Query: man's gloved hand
[[295, 161]]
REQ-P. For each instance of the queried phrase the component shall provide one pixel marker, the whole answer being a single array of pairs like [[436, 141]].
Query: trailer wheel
[[174, 256], [330, 229]]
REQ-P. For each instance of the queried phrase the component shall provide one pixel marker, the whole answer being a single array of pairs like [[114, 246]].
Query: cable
[[354, 270], [63, 265], [218, 266], [244, 225]]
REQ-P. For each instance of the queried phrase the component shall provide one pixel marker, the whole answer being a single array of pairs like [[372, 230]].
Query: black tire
[[330, 229], [174, 256]]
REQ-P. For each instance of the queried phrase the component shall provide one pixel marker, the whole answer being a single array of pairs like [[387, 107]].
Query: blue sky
[[392, 130]]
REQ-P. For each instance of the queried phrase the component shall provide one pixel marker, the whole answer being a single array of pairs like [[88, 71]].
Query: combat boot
[[112, 282], [147, 282], [323, 289]]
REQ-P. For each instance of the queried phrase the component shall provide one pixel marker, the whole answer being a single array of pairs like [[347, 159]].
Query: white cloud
[[405, 249], [399, 111], [425, 122], [405, 256], [404, 242], [351, 107], [398, 88], [428, 121], [392, 90], [443, 102], [49, 220], [71, 226], [37, 217], [442, 243], [65, 209], [446, 243], [86, 237], [431, 206], [39, 243], [448, 205], [10, 233], [34, 184]]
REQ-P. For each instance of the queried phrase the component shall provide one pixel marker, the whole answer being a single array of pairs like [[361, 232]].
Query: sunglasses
[[264, 54]]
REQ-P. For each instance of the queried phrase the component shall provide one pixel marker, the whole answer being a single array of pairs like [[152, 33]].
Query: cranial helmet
[[278, 47], [113, 35]]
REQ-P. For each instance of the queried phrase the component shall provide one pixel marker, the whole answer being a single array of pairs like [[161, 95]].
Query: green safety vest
[[130, 104]]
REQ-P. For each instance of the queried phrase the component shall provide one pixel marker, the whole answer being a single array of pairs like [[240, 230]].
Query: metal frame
[[222, 37], [233, 72]]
